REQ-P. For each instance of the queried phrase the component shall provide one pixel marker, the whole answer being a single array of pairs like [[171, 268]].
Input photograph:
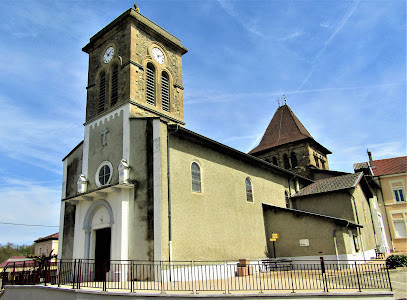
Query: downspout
[[169, 195], [358, 229], [336, 247]]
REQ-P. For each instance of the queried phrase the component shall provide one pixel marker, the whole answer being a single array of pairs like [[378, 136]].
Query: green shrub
[[394, 261]]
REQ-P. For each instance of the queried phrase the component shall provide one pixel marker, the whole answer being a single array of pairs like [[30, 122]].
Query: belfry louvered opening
[[150, 84], [114, 93], [165, 92], [102, 92]]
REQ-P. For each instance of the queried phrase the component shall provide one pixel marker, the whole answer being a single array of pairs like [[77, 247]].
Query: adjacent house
[[389, 176], [44, 245]]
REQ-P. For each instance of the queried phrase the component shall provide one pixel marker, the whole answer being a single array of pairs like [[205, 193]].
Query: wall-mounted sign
[[304, 242], [273, 240], [274, 235]]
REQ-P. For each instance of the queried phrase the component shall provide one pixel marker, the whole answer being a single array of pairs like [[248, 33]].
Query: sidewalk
[[398, 279]]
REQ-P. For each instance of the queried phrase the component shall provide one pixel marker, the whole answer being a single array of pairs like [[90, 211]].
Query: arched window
[[196, 177], [249, 192], [316, 160], [287, 200], [150, 84], [286, 161], [275, 161], [165, 91], [294, 162], [102, 92], [114, 94]]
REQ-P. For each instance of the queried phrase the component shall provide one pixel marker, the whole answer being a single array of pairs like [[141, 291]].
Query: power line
[[29, 225]]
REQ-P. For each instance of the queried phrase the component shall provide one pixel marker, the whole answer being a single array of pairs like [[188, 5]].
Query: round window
[[103, 174]]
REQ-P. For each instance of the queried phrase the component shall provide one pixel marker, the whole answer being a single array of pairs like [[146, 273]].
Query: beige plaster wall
[[218, 223], [294, 227], [365, 219], [335, 204], [51, 244]]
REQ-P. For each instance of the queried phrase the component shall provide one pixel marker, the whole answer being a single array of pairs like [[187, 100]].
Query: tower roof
[[284, 128]]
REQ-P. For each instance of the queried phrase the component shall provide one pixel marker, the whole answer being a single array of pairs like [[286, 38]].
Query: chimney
[[370, 158]]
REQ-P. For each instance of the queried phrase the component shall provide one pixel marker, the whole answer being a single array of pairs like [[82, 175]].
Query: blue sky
[[341, 64]]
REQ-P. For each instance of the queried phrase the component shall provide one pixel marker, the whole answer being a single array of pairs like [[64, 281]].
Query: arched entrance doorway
[[97, 225]]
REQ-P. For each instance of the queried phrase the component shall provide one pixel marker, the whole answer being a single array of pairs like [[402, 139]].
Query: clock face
[[158, 55], [107, 57]]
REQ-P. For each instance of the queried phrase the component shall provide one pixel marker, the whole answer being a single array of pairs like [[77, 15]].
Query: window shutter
[[102, 92], [165, 92], [114, 94], [150, 84]]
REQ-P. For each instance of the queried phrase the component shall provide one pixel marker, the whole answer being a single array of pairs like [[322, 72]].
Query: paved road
[[398, 279]]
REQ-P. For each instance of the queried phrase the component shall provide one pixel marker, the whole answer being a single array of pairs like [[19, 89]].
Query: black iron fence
[[216, 276]]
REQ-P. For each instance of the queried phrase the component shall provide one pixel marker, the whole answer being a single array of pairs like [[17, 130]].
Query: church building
[[141, 186]]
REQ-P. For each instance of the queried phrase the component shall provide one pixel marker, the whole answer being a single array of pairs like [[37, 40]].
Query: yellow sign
[[274, 235], [273, 240]]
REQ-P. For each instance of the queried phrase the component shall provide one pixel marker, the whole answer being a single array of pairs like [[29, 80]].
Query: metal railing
[[209, 276]]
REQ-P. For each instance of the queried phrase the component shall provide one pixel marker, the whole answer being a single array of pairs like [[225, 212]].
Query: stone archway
[[99, 209]]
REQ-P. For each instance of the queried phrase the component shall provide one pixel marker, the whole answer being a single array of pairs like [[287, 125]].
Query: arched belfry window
[[114, 93], [150, 84], [294, 162], [102, 91], [275, 162], [165, 91], [249, 191], [196, 177], [286, 162]]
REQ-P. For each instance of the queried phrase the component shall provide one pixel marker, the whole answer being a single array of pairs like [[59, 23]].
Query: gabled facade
[[288, 144], [390, 178]]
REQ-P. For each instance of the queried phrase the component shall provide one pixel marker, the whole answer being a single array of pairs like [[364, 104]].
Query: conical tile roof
[[284, 128]]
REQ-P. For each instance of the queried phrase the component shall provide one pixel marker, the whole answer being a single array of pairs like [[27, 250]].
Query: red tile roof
[[284, 128], [395, 165], [54, 236], [18, 260]]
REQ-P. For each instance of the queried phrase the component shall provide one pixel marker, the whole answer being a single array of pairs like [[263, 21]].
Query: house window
[[322, 164], [196, 177], [39, 251], [114, 93], [400, 228], [287, 200], [286, 162], [249, 192], [46, 250], [102, 92], [294, 162], [399, 195], [165, 92], [150, 84], [275, 162]]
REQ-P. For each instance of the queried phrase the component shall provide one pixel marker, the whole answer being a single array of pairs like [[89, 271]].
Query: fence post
[[324, 274], [104, 276], [131, 277], [74, 271], [162, 275], [193, 277], [388, 277], [14, 273], [45, 273], [59, 266], [22, 274], [357, 275]]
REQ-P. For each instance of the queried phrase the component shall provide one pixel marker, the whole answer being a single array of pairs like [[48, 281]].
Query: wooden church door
[[102, 253]]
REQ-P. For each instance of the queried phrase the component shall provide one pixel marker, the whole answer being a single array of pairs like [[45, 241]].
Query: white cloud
[[28, 203]]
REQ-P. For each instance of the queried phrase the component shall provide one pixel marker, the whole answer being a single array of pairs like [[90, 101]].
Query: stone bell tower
[[132, 60]]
